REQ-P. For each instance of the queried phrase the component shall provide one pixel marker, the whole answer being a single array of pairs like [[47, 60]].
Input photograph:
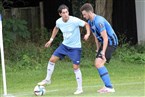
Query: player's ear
[[60, 14]]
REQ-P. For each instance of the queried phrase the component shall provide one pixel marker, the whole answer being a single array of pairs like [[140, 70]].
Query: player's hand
[[86, 37], [48, 44], [103, 56], [97, 51]]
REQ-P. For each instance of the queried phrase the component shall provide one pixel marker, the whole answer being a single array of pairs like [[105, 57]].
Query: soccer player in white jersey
[[71, 45]]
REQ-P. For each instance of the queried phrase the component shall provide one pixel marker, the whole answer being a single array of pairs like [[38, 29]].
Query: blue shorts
[[73, 53]]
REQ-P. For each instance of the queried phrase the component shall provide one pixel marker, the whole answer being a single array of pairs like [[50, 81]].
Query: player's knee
[[75, 67], [96, 65], [53, 60], [99, 63]]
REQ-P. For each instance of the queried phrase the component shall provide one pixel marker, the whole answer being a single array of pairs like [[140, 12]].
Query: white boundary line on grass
[[49, 91], [120, 84], [27, 94]]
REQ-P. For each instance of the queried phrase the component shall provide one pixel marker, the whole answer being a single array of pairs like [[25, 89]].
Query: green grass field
[[128, 80]]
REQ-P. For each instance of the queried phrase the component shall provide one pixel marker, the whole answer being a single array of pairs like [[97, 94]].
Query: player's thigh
[[59, 53], [109, 52], [75, 56]]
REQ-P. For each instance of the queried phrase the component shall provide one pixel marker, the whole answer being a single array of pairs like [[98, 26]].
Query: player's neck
[[65, 20], [92, 16]]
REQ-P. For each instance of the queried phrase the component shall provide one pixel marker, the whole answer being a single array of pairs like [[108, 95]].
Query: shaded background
[[120, 13]]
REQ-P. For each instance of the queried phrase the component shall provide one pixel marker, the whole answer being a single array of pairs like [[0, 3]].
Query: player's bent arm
[[87, 28], [88, 31], [105, 41], [54, 33], [97, 42]]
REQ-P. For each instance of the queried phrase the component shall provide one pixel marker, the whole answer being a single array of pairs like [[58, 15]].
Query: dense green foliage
[[30, 55], [14, 30], [133, 54]]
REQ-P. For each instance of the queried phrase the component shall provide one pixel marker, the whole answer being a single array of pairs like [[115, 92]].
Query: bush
[[30, 56], [39, 35], [14, 30], [127, 53]]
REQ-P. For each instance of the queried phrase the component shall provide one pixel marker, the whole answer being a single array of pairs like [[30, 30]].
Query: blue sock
[[103, 72]]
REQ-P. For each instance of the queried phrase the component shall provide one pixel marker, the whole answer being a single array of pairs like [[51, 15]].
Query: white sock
[[50, 69], [78, 78]]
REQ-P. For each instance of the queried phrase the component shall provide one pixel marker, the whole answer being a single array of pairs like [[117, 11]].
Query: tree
[[104, 8]]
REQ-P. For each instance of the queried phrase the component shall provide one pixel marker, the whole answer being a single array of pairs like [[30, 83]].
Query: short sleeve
[[57, 24], [101, 27], [79, 22]]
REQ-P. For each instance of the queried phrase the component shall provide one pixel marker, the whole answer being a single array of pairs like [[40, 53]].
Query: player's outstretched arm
[[54, 33]]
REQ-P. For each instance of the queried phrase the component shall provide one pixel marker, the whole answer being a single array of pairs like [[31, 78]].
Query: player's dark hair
[[63, 6], [87, 7]]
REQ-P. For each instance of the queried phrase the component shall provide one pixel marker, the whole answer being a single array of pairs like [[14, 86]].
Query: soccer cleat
[[44, 82], [78, 91], [106, 90]]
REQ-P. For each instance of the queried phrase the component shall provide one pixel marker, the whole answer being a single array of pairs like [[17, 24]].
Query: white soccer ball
[[39, 90]]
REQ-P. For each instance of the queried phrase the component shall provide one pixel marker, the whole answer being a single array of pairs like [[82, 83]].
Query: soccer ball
[[39, 90]]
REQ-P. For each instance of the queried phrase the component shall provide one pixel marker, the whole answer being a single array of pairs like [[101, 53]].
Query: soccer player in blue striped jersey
[[106, 42], [71, 45]]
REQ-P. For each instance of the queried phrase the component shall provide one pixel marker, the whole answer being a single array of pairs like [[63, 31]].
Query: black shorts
[[108, 53]]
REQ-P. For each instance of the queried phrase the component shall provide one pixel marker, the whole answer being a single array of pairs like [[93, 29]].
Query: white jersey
[[71, 31]]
